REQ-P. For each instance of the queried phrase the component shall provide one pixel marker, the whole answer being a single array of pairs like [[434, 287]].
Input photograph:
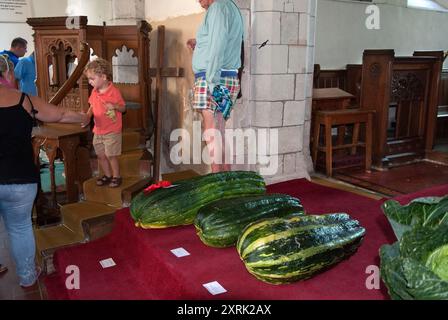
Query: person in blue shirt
[[216, 60], [18, 49], [25, 74]]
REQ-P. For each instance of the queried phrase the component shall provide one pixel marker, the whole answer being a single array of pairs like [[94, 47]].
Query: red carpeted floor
[[146, 269]]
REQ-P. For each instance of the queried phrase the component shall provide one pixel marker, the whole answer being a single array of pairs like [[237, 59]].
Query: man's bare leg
[[209, 124]]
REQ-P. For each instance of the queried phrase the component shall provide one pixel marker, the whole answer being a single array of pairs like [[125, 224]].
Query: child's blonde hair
[[100, 66]]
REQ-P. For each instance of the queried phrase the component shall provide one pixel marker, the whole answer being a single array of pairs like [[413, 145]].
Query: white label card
[[214, 288], [180, 252], [107, 263]]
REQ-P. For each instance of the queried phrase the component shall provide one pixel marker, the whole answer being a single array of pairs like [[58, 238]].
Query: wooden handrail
[[77, 73]]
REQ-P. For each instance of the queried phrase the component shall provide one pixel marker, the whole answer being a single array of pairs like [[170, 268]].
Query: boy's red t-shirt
[[97, 100]]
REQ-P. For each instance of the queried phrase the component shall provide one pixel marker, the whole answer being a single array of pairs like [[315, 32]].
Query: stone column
[[97, 11], [127, 12], [282, 78]]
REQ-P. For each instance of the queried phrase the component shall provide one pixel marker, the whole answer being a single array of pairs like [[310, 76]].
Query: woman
[[18, 173]]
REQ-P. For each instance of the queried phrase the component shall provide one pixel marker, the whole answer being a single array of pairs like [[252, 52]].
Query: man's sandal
[[103, 181], [115, 182]]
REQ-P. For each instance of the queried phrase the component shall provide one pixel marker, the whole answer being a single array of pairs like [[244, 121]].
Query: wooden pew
[[404, 92]]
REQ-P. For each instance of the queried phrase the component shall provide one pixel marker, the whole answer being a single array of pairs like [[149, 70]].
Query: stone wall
[[281, 79]]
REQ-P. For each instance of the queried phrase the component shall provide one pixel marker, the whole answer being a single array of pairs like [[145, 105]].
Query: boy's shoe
[[103, 181], [115, 182], [3, 268]]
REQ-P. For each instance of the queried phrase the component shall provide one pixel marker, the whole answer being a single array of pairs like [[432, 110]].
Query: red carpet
[[146, 269]]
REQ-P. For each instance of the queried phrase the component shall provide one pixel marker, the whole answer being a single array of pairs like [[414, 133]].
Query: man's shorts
[[201, 95], [109, 144]]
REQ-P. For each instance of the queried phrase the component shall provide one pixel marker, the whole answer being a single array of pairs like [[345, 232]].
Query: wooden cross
[[159, 73]]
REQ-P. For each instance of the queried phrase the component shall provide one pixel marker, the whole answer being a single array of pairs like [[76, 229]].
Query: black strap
[[22, 97], [240, 71], [33, 110]]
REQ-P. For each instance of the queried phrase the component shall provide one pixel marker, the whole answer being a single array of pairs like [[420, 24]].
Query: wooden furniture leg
[[315, 142], [369, 129], [328, 147]]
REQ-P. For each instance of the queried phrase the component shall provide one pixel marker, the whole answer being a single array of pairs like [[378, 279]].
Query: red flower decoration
[[161, 184]]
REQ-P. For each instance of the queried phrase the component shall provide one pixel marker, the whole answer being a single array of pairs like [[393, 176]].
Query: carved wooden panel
[[408, 86]]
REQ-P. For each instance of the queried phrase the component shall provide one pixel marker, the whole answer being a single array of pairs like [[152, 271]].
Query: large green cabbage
[[416, 266], [429, 211]]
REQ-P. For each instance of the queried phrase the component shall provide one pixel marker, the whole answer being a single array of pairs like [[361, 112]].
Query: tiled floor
[[9, 282]]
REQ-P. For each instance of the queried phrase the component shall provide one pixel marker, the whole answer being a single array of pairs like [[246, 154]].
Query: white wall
[[96, 10], [342, 36], [39, 8], [159, 10]]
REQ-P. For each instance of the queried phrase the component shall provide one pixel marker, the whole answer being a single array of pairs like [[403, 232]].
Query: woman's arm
[[47, 112]]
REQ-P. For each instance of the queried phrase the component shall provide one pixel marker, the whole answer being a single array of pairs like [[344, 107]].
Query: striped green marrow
[[178, 205], [284, 250], [220, 223]]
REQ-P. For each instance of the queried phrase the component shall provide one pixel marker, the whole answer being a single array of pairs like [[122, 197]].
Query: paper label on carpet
[[180, 252], [107, 263], [214, 288]]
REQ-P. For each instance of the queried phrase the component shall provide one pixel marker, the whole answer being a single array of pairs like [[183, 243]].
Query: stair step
[[48, 240], [402, 159], [179, 175], [74, 214], [106, 195], [129, 164], [53, 237], [131, 141]]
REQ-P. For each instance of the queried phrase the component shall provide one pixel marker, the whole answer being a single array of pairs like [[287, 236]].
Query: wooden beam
[[167, 72], [158, 108]]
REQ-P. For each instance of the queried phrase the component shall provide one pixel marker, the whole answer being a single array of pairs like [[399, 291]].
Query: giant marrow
[[220, 223], [179, 204], [284, 250]]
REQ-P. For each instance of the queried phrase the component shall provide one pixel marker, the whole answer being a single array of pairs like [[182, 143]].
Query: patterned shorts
[[201, 96]]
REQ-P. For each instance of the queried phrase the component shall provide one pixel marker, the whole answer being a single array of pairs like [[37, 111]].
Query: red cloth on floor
[[146, 268]]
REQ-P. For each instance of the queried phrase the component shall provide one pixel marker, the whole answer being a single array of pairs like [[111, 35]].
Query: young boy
[[107, 106]]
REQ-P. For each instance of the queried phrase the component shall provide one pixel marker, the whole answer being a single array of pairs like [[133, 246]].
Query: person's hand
[[191, 43], [111, 111], [85, 119], [110, 106]]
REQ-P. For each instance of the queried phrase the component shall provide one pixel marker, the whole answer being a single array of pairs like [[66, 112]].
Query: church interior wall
[[342, 35]]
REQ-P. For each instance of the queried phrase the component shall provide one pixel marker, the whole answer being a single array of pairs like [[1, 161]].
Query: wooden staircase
[[92, 218]]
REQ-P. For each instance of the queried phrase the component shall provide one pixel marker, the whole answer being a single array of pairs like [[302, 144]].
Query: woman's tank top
[[16, 151]]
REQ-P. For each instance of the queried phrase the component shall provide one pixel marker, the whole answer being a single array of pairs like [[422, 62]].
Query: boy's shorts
[[109, 144], [201, 96]]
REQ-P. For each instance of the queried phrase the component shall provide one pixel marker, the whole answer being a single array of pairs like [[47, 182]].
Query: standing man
[[17, 50], [25, 73], [216, 60]]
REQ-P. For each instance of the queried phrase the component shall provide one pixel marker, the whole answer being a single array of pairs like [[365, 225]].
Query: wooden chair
[[328, 119]]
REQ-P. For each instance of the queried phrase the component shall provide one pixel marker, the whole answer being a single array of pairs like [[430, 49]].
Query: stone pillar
[[127, 12], [281, 79], [96, 11]]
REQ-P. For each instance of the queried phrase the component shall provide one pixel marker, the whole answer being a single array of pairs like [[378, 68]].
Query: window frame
[[435, 5]]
